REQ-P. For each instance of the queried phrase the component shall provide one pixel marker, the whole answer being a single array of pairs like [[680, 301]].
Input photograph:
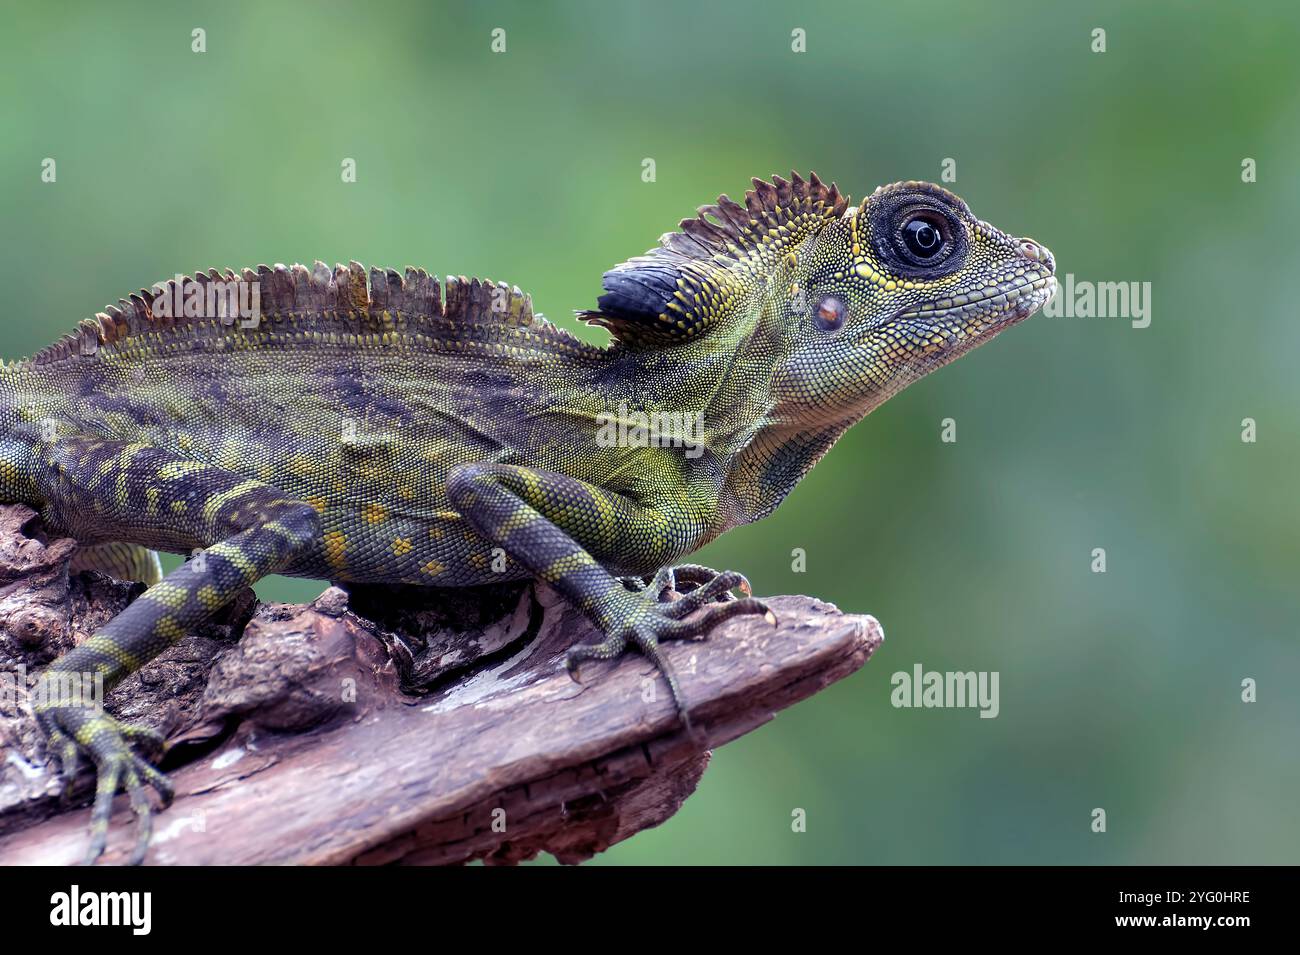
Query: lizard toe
[[75, 732], [717, 589], [647, 624], [608, 649]]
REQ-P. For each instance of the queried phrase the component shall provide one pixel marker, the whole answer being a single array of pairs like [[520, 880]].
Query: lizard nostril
[[1037, 253]]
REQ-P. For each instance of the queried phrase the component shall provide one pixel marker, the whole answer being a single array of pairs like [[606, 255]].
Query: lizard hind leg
[[96, 488]]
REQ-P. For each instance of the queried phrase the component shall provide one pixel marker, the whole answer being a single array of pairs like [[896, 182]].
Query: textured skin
[[386, 432]]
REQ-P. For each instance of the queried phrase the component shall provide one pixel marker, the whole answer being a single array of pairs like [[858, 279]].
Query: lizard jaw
[[930, 337], [1001, 298], [973, 318]]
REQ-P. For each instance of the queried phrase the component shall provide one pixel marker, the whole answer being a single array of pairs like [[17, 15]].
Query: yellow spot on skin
[[519, 519], [316, 502], [105, 646], [301, 466], [533, 490], [178, 469], [88, 730], [433, 568], [401, 545], [336, 549], [166, 594], [237, 559], [374, 513], [169, 629], [214, 504], [565, 565], [605, 510]]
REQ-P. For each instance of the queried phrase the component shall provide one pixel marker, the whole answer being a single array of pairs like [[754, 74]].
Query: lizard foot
[[72, 730], [643, 621]]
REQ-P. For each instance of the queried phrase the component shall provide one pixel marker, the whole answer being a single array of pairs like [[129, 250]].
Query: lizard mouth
[[993, 302], [933, 335], [952, 326]]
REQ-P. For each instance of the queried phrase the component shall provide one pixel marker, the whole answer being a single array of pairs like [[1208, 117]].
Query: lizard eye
[[923, 237], [830, 313], [917, 236]]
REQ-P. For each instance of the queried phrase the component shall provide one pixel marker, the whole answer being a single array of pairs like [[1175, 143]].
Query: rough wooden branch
[[291, 740]]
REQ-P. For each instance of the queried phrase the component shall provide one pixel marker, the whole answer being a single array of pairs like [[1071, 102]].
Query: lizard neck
[[708, 389], [763, 473], [755, 450], [767, 447]]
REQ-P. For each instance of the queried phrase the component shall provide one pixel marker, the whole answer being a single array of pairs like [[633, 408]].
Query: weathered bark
[[291, 739]]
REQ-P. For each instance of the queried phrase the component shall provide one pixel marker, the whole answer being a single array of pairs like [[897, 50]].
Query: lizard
[[389, 428]]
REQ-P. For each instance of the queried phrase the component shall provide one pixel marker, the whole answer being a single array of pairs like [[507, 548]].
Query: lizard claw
[[77, 729]]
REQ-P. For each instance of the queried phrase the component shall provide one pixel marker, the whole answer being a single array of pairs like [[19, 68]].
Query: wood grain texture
[[292, 742]]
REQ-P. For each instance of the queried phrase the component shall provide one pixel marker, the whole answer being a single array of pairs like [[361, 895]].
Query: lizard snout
[[1037, 252]]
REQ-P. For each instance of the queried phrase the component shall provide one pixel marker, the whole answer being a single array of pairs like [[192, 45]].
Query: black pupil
[[923, 238]]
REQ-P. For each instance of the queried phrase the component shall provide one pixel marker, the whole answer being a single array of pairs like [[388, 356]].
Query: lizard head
[[888, 292], [837, 307]]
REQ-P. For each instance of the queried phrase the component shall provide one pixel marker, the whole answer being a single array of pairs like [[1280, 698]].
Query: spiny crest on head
[[683, 287], [316, 303]]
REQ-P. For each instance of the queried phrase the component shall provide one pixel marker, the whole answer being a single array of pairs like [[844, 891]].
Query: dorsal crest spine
[[342, 300]]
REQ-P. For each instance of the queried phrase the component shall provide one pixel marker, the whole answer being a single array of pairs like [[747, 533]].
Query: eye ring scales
[[916, 235]]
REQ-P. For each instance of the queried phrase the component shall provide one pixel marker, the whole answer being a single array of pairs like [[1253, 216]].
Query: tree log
[[294, 735]]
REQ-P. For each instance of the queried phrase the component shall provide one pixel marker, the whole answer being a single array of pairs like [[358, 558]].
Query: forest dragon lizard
[[396, 431]]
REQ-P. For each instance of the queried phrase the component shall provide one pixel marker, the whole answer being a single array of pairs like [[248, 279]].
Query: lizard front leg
[[557, 527], [140, 493]]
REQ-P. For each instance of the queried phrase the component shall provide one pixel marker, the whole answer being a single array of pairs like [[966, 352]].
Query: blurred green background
[[1118, 690]]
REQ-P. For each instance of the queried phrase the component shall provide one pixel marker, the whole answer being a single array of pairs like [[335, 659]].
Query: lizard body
[[384, 428]]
